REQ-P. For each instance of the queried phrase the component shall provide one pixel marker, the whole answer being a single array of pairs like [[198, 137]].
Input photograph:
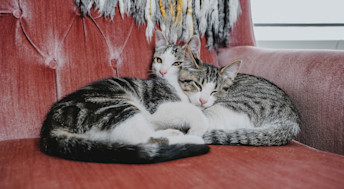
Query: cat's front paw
[[196, 140], [197, 132], [186, 139], [169, 132]]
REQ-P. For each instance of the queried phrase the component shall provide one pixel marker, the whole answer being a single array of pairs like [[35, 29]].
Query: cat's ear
[[191, 59], [160, 39], [231, 70], [195, 45]]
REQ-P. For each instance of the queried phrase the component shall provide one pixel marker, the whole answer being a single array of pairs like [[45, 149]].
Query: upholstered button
[[114, 63], [17, 13], [53, 64]]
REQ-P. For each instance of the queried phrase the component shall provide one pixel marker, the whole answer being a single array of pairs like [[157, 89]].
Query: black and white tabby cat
[[127, 120], [241, 109]]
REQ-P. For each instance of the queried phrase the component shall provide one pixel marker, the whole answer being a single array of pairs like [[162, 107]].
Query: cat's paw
[[196, 132], [196, 140], [186, 139], [169, 132]]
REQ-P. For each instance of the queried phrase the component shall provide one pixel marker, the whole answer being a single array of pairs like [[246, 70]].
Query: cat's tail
[[276, 134], [83, 149]]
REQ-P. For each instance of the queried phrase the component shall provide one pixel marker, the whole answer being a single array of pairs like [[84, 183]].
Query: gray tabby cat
[[127, 120], [241, 109]]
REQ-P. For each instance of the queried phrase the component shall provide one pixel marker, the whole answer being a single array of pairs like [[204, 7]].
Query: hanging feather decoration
[[167, 19], [138, 11], [213, 24], [189, 22], [221, 18], [195, 13], [204, 14], [108, 7], [126, 7], [178, 19], [232, 12], [172, 32], [149, 16], [121, 7], [158, 15], [163, 20]]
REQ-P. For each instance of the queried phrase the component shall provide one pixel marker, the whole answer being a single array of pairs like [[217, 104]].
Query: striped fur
[[123, 120], [242, 109]]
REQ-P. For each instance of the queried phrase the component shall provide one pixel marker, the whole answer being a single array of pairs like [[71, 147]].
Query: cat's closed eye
[[198, 85], [214, 92], [185, 81]]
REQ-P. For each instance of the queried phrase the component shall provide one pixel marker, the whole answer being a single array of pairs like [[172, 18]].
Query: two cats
[[128, 120], [241, 109]]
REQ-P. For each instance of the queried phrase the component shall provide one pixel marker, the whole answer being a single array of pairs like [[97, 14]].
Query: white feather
[[234, 11], [126, 7], [121, 7], [101, 5], [90, 5], [203, 17], [150, 8], [185, 3], [189, 23], [197, 8], [215, 17]]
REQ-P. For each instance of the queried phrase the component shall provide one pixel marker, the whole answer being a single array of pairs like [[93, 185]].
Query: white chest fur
[[173, 80]]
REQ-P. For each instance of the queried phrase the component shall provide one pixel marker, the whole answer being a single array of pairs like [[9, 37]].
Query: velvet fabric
[[48, 50], [314, 81], [291, 166]]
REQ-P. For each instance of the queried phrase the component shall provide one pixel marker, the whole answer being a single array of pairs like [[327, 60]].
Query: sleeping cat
[[241, 109], [127, 120]]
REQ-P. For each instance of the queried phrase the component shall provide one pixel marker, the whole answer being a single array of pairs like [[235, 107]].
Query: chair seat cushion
[[22, 165]]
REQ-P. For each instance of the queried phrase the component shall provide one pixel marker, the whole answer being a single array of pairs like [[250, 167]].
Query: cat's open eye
[[158, 60], [177, 63]]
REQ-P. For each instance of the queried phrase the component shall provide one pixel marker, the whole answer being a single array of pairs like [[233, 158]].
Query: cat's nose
[[203, 101], [163, 72]]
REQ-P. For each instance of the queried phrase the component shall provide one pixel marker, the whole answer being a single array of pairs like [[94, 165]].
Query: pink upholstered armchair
[[47, 49]]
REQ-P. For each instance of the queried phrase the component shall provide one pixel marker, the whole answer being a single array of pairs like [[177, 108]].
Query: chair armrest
[[313, 79]]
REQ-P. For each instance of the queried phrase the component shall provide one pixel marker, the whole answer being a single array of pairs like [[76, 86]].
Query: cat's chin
[[202, 107], [169, 77]]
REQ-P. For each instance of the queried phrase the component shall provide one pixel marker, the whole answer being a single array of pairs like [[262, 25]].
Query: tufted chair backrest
[[49, 50]]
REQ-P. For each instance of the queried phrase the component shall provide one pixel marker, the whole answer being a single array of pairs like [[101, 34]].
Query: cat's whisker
[[151, 73]]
